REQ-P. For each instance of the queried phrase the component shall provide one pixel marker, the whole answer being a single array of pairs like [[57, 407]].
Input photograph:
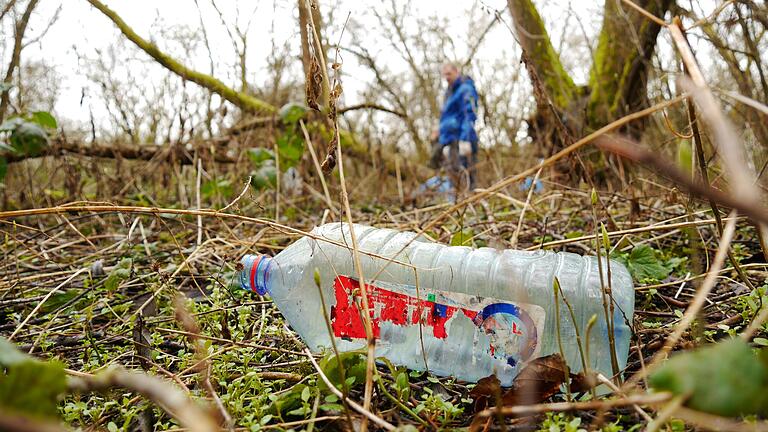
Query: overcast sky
[[81, 29]]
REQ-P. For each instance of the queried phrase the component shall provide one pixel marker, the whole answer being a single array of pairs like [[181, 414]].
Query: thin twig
[[47, 296], [642, 399], [696, 305]]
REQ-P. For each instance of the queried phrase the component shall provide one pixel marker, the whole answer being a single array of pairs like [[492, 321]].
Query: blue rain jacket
[[457, 121]]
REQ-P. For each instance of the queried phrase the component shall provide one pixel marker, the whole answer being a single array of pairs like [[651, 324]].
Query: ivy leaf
[[264, 177], [29, 139], [725, 379], [44, 119], [643, 264], [292, 112], [121, 272], [290, 146], [29, 386], [259, 154]]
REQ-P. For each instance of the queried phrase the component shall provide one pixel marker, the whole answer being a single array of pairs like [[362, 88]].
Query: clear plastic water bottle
[[452, 310]]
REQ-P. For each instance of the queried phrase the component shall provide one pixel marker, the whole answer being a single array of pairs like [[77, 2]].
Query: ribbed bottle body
[[453, 310]]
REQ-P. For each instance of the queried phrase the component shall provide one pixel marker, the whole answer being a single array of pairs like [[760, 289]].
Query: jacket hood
[[461, 80]]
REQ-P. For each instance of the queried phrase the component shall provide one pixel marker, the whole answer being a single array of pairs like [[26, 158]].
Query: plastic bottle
[[454, 310]]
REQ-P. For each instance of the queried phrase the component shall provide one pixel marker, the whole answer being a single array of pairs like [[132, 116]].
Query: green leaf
[[643, 264], [761, 341], [44, 119], [59, 299], [353, 364], [725, 379], [331, 407], [121, 272], [606, 241], [290, 146], [29, 139], [573, 234], [259, 154], [3, 168], [292, 112], [684, 155], [463, 238], [288, 402], [29, 386], [264, 177], [402, 385], [217, 187]]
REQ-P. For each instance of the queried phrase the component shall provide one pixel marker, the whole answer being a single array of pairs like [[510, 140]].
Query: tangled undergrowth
[[97, 289]]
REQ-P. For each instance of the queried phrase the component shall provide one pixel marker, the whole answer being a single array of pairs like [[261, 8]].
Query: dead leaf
[[314, 87], [538, 381], [582, 382], [330, 159], [485, 392]]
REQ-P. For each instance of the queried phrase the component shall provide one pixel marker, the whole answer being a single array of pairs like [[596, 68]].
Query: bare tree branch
[[242, 100]]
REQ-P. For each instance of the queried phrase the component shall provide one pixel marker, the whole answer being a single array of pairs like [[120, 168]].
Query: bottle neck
[[255, 273]]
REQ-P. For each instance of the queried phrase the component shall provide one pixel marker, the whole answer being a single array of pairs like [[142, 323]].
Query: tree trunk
[[544, 60], [18, 39], [619, 75]]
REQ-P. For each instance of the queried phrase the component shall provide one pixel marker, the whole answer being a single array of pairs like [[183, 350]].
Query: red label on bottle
[[512, 329]]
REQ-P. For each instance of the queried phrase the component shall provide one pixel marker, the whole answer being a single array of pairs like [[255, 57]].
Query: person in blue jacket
[[456, 136]]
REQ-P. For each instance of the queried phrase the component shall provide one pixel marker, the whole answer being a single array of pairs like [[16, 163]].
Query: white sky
[[82, 29]]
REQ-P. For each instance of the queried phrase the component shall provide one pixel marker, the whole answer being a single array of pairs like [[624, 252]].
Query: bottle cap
[[255, 273]]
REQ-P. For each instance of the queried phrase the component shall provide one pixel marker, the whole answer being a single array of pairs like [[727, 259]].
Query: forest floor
[[71, 285]]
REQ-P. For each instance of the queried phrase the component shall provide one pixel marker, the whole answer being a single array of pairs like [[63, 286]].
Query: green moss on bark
[[624, 48], [535, 40]]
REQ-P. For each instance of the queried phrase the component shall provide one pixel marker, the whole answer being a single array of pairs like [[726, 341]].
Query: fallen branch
[[519, 410], [372, 106], [145, 152]]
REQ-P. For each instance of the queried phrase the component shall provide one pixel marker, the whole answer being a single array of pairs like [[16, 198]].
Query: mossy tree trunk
[[618, 76], [544, 60], [625, 46]]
